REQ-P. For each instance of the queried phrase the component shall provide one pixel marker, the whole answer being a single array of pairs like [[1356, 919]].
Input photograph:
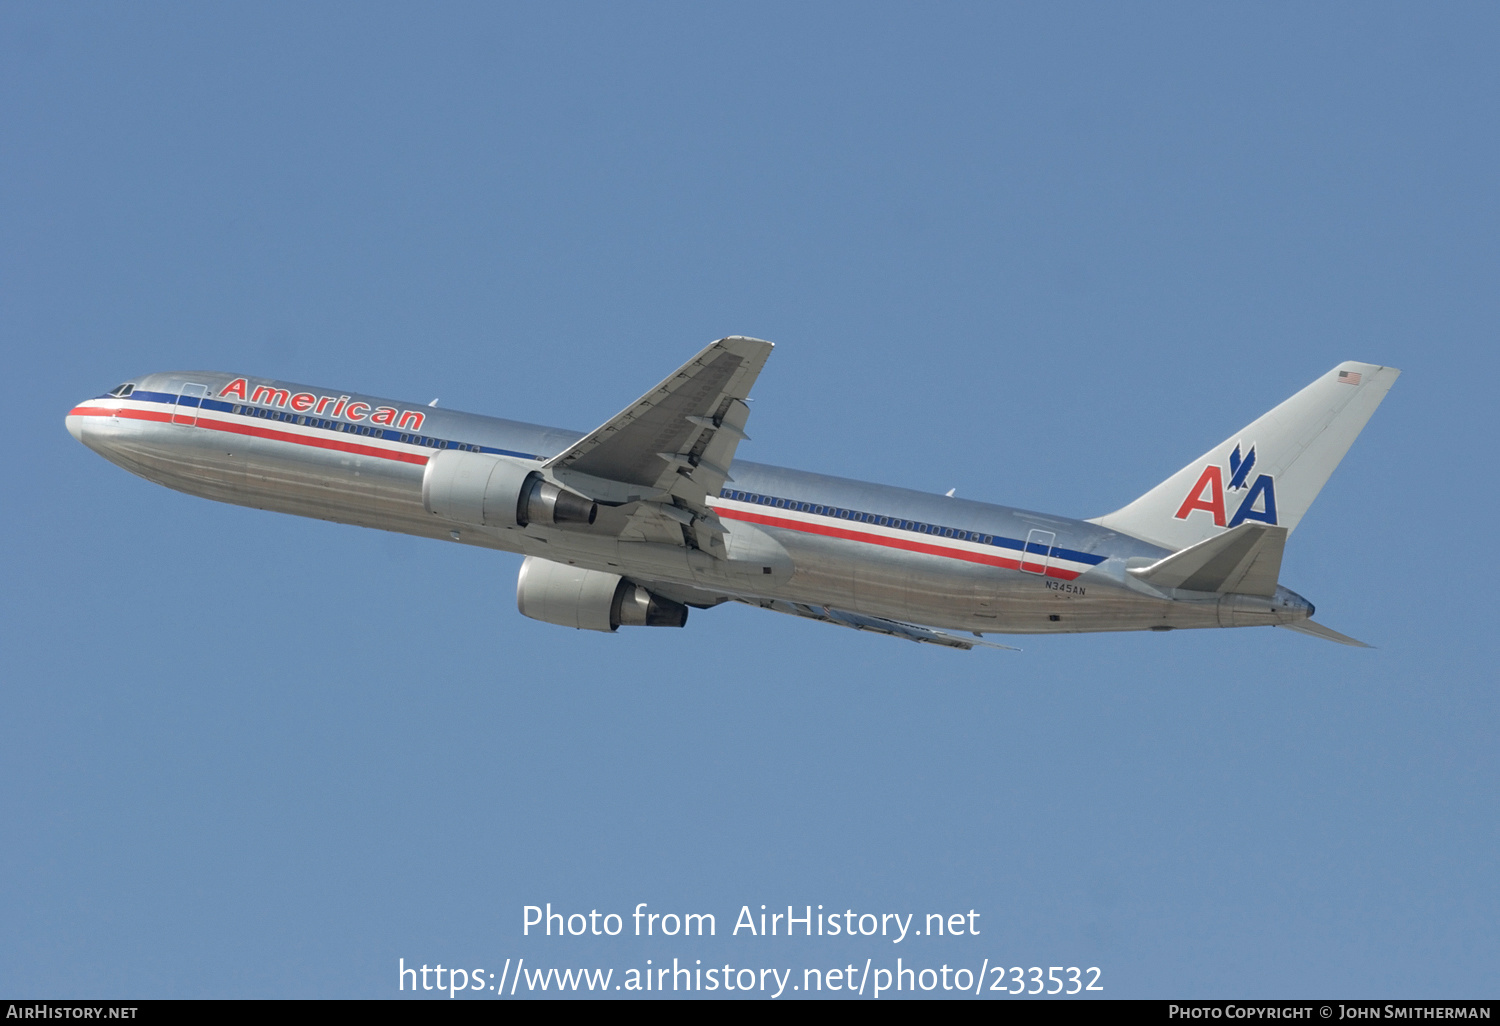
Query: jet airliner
[[651, 515]]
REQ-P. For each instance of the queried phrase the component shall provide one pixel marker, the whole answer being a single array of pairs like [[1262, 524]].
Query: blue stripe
[[393, 435], [340, 426], [896, 523]]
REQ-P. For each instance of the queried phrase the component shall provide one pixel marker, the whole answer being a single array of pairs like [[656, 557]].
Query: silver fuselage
[[827, 541]]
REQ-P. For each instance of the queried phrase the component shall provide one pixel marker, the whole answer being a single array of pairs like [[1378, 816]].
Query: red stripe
[[104, 411], [255, 431], [888, 542], [420, 459]]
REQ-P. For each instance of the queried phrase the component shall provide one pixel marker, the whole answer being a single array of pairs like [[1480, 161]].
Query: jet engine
[[496, 491], [590, 600]]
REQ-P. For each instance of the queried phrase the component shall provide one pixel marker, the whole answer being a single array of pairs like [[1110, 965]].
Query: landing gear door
[[189, 402], [1038, 551]]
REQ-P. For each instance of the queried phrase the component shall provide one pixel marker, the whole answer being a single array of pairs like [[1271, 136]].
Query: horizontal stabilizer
[[879, 625], [1317, 630], [1245, 560]]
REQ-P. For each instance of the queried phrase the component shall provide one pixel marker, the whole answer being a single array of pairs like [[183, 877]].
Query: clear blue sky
[[1044, 254]]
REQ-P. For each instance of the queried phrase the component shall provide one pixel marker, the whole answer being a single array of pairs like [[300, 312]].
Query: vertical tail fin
[[1268, 472]]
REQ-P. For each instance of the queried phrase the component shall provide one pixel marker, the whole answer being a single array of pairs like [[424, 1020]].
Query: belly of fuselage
[[942, 591]]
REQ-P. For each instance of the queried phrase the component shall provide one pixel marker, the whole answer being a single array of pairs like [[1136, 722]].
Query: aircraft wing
[[879, 625], [667, 452]]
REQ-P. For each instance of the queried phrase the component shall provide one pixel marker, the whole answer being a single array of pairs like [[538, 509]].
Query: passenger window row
[[864, 518], [345, 427]]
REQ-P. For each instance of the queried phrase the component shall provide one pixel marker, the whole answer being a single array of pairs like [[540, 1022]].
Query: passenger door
[[1038, 550], [189, 402]]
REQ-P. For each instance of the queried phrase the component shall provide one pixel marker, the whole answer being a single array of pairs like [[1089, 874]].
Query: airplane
[[650, 514]]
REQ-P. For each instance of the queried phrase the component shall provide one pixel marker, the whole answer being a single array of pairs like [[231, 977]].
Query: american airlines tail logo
[[1208, 493]]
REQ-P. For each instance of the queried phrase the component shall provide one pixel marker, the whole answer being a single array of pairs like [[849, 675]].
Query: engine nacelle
[[496, 491], [590, 600]]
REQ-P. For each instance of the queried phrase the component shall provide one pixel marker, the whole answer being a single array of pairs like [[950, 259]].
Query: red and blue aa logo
[[1208, 493]]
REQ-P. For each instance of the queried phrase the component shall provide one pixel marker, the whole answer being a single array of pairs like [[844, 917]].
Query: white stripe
[[897, 533]]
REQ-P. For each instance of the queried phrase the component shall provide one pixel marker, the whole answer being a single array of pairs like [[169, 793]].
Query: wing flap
[[671, 449], [679, 417], [877, 625]]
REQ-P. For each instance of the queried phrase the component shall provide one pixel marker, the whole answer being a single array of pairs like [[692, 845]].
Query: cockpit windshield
[[121, 391]]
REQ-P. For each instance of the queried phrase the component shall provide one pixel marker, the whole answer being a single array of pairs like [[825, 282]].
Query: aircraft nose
[[76, 421]]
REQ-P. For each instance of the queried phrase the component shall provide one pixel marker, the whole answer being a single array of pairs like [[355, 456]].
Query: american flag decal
[[1348, 378]]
